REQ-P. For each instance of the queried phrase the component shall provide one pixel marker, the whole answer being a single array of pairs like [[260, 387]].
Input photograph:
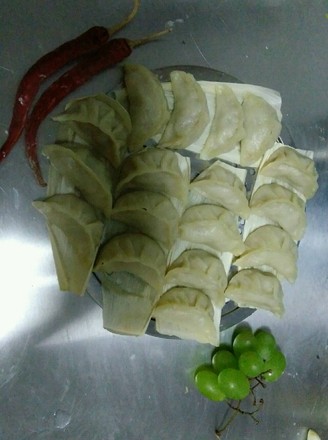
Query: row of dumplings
[[170, 247], [286, 179], [164, 246], [179, 238], [236, 122]]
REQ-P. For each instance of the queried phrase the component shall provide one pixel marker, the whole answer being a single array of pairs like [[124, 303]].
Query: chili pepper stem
[[144, 40], [113, 30]]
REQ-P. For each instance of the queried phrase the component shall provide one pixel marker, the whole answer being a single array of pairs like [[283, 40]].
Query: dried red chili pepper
[[47, 65], [103, 58]]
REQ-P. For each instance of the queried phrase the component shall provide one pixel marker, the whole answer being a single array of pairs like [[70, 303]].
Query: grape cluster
[[251, 357]]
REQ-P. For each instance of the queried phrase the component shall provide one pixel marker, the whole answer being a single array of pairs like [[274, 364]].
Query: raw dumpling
[[188, 314], [190, 113], [156, 170], [281, 206], [256, 289], [134, 253], [262, 129], [200, 270], [88, 173], [75, 234], [102, 122], [150, 213], [128, 303], [227, 127], [213, 227], [297, 170], [270, 247], [222, 187], [147, 105]]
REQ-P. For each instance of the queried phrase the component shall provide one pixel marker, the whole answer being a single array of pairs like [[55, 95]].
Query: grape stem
[[218, 432], [237, 410], [248, 413]]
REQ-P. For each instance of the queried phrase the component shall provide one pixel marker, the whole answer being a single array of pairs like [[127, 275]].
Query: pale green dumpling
[[135, 253], [147, 105], [75, 233], [188, 314], [128, 303], [256, 289], [148, 212], [88, 173], [101, 122], [162, 171]]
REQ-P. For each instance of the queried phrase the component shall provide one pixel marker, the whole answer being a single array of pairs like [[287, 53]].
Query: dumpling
[[262, 129], [211, 227], [150, 213], [256, 289], [281, 206], [162, 171], [75, 234], [188, 314], [147, 105], [270, 247], [102, 122], [220, 186], [227, 128], [190, 114], [135, 253], [297, 170], [200, 270], [88, 173], [128, 303]]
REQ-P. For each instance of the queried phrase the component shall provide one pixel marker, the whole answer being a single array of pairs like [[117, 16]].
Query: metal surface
[[61, 375]]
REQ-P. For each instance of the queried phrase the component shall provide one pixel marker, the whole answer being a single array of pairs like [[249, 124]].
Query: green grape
[[265, 344], [244, 341], [224, 359], [206, 381], [234, 383], [274, 367], [251, 363]]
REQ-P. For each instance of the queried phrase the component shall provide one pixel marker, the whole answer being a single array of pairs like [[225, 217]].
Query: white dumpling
[[200, 270], [227, 128], [270, 247], [297, 170], [222, 187], [128, 303], [256, 289], [75, 233], [213, 227], [147, 105], [281, 206], [190, 114], [188, 314], [135, 253], [148, 212], [262, 128]]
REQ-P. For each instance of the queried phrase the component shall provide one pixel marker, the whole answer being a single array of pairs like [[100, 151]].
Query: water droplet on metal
[[61, 419]]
